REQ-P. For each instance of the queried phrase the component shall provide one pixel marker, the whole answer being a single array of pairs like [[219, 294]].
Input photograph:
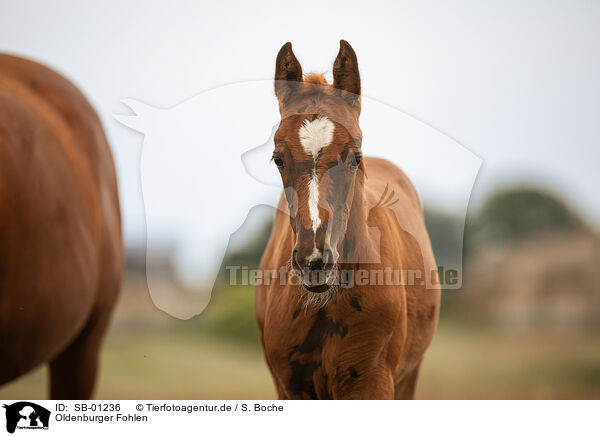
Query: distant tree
[[519, 213], [445, 232]]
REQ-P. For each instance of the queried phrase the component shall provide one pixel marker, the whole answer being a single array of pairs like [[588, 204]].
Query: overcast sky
[[516, 82]]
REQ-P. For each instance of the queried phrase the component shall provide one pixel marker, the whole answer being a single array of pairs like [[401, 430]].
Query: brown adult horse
[[334, 332], [61, 251]]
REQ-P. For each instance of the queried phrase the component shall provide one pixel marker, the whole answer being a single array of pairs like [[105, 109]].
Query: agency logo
[[26, 415]]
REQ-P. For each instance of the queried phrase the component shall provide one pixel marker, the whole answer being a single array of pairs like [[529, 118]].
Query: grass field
[[149, 355]]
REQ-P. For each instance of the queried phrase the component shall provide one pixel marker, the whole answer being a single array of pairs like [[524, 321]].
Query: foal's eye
[[278, 161], [355, 160]]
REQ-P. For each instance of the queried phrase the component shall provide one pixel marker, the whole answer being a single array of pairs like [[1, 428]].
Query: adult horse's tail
[[61, 250]]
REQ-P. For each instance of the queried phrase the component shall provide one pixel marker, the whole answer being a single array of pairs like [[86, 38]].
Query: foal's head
[[318, 153]]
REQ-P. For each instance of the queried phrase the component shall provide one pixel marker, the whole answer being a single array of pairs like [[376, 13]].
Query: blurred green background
[[525, 325]]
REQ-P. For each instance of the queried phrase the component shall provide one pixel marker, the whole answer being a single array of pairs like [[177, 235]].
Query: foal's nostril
[[314, 259], [315, 264]]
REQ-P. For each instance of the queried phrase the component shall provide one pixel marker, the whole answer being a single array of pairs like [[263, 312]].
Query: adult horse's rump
[[61, 251]]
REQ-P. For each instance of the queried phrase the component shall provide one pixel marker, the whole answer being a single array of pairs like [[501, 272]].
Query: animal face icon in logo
[[26, 415]]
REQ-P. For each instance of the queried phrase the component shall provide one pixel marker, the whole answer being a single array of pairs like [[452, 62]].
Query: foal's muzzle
[[317, 270]]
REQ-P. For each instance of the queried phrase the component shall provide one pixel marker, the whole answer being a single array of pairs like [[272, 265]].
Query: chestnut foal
[[342, 326]]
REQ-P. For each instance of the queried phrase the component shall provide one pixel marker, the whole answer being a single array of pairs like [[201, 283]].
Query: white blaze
[[313, 202], [316, 254], [314, 136]]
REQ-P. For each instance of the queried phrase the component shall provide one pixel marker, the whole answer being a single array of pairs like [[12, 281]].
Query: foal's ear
[[287, 72], [345, 73]]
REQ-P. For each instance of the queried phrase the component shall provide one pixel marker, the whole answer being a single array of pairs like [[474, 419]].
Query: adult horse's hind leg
[[405, 389], [73, 371]]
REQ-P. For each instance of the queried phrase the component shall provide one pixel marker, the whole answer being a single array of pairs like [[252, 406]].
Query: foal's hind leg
[[405, 389], [73, 371]]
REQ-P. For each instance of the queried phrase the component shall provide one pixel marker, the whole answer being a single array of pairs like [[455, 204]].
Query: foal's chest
[[303, 352]]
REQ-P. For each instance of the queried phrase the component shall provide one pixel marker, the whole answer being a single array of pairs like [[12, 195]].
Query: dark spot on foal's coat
[[295, 314], [322, 328], [301, 380], [432, 312], [302, 371], [356, 304], [302, 109], [352, 371]]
